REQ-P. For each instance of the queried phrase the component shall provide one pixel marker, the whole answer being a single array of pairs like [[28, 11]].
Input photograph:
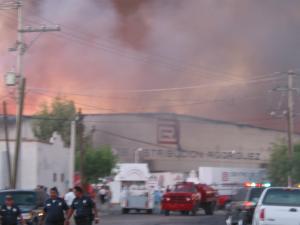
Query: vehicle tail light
[[248, 205], [262, 214]]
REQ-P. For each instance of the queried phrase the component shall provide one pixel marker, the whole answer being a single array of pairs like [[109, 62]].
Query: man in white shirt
[[102, 194], [69, 197]]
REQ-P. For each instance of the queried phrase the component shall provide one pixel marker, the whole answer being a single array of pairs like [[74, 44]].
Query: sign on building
[[168, 131]]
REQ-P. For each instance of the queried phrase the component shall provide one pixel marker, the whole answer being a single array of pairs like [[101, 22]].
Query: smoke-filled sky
[[208, 58]]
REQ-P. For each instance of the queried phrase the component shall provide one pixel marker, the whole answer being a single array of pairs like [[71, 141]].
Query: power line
[[144, 58], [76, 102], [158, 100], [9, 5], [166, 59], [95, 45], [73, 30], [159, 90], [195, 103]]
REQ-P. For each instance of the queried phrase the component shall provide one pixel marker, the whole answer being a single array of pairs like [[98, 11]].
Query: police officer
[[84, 208], [10, 213], [54, 209]]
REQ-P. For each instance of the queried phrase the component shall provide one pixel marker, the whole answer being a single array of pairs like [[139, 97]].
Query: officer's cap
[[8, 197]]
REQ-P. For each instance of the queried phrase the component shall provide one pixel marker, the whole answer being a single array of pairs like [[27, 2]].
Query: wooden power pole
[[8, 157]]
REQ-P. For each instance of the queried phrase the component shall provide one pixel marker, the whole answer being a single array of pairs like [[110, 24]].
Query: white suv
[[278, 206]]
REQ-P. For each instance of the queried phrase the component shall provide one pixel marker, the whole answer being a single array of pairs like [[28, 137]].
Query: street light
[[137, 155]]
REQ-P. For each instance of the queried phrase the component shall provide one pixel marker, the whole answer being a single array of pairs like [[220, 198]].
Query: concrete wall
[[28, 165], [27, 168], [3, 171], [53, 161], [201, 142]]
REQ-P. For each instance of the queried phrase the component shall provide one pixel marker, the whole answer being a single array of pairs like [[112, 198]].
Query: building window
[[62, 177], [54, 177]]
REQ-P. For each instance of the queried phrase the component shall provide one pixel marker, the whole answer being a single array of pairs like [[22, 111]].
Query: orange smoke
[[154, 44]]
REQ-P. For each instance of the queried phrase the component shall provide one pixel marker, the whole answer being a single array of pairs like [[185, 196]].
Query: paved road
[[141, 219]]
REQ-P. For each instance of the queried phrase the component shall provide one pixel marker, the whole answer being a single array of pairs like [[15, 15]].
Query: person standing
[[84, 208], [55, 209], [10, 213], [103, 195], [69, 197], [157, 200]]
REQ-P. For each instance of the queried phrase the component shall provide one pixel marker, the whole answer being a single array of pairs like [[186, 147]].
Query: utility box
[[10, 79]]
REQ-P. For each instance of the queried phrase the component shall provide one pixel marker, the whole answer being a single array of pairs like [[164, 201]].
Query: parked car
[[241, 209], [278, 206], [30, 202], [188, 197]]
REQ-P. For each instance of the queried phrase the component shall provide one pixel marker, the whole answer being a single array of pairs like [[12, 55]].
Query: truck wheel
[[125, 211], [149, 211], [209, 209], [167, 213], [194, 212], [184, 213]]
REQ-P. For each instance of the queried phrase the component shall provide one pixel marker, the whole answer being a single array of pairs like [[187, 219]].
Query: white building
[[40, 163]]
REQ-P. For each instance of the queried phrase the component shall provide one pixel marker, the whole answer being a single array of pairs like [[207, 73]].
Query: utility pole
[[80, 130], [20, 80], [290, 118], [7, 145], [289, 115], [18, 130], [72, 153], [21, 91]]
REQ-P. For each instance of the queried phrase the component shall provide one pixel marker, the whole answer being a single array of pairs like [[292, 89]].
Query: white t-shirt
[[69, 198], [102, 191]]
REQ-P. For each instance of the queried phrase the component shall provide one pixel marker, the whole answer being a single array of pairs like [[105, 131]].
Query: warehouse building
[[180, 143], [173, 142]]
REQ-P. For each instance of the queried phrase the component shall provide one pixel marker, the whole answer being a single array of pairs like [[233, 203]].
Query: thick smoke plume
[[108, 45]]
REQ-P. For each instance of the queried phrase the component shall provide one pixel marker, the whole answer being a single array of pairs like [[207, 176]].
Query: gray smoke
[[149, 44]]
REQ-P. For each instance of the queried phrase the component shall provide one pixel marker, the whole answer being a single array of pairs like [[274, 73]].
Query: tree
[[57, 118], [279, 165], [98, 162]]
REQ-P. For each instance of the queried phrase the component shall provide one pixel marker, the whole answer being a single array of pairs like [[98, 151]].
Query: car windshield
[[240, 195], [282, 197], [184, 188], [255, 194], [24, 198]]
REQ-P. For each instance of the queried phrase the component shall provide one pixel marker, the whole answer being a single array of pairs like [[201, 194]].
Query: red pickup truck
[[188, 198]]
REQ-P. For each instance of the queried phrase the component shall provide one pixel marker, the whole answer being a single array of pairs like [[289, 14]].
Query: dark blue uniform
[[54, 210], [9, 215], [83, 208]]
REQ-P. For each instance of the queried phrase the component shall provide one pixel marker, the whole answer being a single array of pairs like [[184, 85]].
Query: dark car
[[30, 202], [242, 206]]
